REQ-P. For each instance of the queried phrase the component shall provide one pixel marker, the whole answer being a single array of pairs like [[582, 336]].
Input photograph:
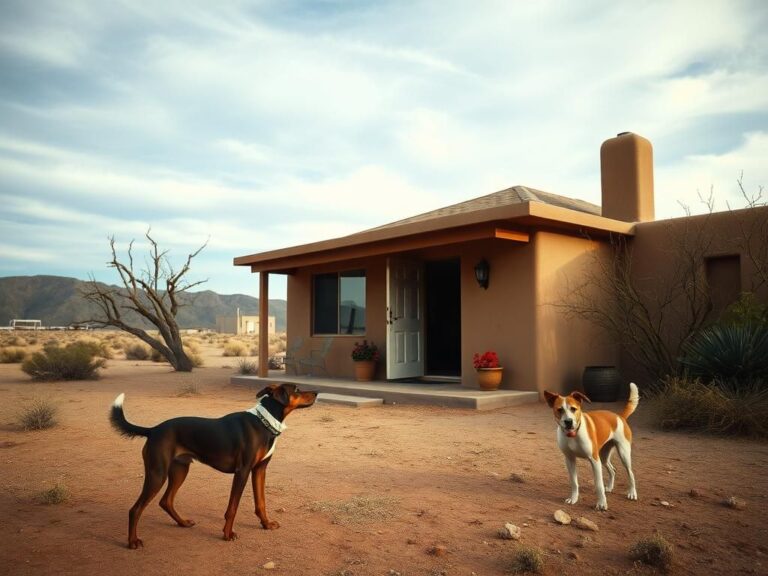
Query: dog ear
[[581, 397], [550, 398], [268, 391], [282, 394]]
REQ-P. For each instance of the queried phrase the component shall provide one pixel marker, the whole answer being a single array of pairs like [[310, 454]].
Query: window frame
[[350, 273]]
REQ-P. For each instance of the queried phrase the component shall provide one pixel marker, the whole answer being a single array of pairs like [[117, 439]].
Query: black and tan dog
[[241, 443]]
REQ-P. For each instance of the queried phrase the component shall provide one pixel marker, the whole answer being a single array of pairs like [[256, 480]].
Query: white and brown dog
[[594, 436]]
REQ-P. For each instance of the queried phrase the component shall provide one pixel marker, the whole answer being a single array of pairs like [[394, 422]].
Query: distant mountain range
[[56, 301]]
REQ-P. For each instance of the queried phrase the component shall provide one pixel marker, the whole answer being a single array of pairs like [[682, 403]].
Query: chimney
[[626, 170]]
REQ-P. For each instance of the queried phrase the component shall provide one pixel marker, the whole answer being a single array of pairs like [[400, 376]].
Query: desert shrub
[[526, 559], [12, 355], [189, 389], [654, 551], [94, 346], [38, 415], [197, 359], [16, 341], [136, 351], [56, 495], [247, 367], [735, 354], [235, 349], [74, 362], [712, 407]]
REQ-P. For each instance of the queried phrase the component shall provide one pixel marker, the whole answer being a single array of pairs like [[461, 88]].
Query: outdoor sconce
[[482, 273]]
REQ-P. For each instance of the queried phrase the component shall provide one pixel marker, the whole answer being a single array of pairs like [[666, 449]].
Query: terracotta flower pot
[[489, 378], [364, 370]]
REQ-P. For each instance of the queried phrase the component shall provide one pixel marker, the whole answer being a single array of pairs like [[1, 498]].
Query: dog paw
[[136, 543], [609, 488], [632, 495], [602, 506], [231, 536], [271, 525], [187, 523], [572, 500]]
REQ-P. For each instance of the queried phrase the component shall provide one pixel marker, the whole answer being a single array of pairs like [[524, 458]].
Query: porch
[[450, 394]]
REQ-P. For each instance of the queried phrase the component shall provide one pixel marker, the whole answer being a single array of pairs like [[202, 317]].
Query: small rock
[[584, 541], [573, 556], [280, 510], [664, 503], [510, 532], [411, 541], [269, 565], [515, 477], [695, 493], [735, 503], [585, 524], [562, 517], [437, 550]]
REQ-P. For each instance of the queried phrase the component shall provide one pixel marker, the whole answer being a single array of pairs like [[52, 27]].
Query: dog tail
[[632, 401], [119, 423]]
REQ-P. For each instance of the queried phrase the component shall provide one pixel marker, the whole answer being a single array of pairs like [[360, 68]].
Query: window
[[339, 303]]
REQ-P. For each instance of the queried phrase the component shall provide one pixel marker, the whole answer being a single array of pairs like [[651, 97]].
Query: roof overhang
[[511, 223]]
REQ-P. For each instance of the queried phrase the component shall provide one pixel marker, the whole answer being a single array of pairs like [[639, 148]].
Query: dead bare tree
[[153, 293]]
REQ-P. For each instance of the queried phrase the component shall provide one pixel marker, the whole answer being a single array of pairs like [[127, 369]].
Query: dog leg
[[238, 484], [177, 473], [570, 463], [597, 470], [155, 469], [258, 479], [605, 456], [625, 453]]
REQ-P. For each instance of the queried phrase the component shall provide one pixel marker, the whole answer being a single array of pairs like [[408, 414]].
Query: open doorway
[[443, 317]]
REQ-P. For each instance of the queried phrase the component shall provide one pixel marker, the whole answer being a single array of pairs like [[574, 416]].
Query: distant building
[[25, 324], [239, 324]]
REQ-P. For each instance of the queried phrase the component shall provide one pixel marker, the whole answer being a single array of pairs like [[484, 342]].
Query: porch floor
[[452, 395]]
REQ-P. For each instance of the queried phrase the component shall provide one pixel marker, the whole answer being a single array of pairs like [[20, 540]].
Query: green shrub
[[12, 355], [136, 352], [654, 551], [247, 367], [75, 362], [526, 559], [734, 354], [38, 415], [715, 407]]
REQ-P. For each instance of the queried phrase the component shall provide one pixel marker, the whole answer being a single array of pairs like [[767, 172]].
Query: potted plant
[[489, 372], [365, 355]]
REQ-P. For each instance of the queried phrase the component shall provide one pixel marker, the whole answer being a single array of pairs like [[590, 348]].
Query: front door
[[405, 318]]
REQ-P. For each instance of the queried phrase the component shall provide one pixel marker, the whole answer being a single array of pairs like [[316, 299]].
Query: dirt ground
[[379, 491]]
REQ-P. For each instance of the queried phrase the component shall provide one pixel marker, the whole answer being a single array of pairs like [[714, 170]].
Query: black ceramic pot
[[601, 383]]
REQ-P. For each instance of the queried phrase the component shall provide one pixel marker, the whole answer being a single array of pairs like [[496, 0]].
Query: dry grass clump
[[654, 551], [720, 409], [526, 559], [12, 355], [235, 349], [75, 362], [247, 367], [357, 510], [15, 341], [189, 389], [38, 415], [56, 495], [95, 346], [136, 351]]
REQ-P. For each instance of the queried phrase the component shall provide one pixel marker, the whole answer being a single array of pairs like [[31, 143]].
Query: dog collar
[[272, 424]]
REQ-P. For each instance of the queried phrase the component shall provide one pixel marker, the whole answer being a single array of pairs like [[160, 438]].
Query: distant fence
[[23, 324]]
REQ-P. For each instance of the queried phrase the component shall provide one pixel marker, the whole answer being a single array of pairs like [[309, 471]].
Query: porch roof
[[509, 214]]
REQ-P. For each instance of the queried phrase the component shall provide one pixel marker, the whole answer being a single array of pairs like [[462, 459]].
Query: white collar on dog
[[273, 424]]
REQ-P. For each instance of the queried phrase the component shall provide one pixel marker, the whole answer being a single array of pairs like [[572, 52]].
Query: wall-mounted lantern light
[[482, 273]]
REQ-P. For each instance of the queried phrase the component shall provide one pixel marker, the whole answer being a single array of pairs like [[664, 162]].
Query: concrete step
[[347, 400]]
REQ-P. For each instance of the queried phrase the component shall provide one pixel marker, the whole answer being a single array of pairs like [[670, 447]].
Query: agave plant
[[737, 354]]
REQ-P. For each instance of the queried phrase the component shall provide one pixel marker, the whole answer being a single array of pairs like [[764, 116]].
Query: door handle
[[392, 317]]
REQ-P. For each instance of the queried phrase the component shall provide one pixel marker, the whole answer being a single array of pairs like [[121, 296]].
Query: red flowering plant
[[486, 360], [365, 351]]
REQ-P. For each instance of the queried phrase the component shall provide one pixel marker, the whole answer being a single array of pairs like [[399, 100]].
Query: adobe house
[[485, 274], [242, 324]]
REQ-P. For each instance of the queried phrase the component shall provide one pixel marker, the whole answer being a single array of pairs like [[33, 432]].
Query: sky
[[266, 124]]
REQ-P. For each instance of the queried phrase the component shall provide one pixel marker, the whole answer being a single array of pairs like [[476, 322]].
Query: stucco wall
[[565, 345], [657, 248]]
